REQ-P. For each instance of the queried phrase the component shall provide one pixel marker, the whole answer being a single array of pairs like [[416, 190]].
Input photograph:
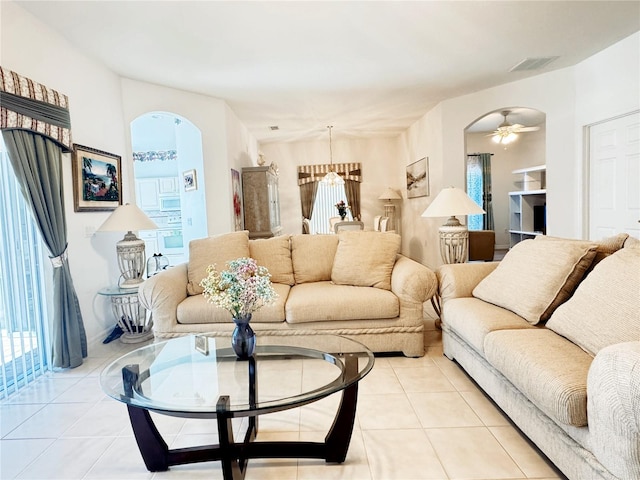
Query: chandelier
[[332, 178]]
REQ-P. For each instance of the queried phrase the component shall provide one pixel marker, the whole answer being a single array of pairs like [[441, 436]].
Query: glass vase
[[243, 339]]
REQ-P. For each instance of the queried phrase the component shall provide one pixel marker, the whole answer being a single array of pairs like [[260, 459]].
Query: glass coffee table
[[199, 376]]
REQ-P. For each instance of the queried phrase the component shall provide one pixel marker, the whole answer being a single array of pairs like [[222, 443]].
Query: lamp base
[[454, 242], [131, 260], [390, 213], [131, 283]]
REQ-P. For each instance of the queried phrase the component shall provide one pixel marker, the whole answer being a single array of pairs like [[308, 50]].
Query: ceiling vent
[[273, 128], [533, 64]]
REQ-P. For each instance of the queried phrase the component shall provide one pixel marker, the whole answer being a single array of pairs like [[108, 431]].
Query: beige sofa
[[552, 335], [353, 284]]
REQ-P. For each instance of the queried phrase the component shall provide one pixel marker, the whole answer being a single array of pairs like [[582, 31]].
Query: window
[[325, 207], [23, 351], [474, 190]]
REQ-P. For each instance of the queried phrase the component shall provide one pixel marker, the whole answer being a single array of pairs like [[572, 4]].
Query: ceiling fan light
[[511, 137], [496, 138]]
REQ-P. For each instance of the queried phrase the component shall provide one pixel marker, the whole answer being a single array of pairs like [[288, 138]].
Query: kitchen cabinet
[[147, 194], [168, 186], [261, 202]]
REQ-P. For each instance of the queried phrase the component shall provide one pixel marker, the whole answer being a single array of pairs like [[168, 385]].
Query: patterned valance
[[29, 105], [161, 155], [315, 173]]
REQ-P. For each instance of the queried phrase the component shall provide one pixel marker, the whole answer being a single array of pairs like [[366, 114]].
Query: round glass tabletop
[[186, 376]]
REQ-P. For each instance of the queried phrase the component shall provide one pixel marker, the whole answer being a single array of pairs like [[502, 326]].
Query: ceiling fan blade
[[528, 129]]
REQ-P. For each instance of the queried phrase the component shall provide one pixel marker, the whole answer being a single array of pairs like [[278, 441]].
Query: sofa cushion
[[325, 301], [472, 319], [196, 309], [604, 247], [274, 254], [535, 277], [218, 250], [605, 309], [632, 242], [312, 257], [365, 259], [549, 370]]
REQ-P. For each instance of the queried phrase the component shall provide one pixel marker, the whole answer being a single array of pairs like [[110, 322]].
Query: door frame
[[586, 169]]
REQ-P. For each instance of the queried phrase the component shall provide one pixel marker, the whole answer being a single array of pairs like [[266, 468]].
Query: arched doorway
[[526, 150], [167, 149]]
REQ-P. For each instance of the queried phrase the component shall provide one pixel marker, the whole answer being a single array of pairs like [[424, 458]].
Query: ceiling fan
[[508, 132]]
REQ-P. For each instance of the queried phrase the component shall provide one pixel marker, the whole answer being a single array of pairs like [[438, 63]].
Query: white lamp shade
[[389, 194], [452, 201], [126, 218]]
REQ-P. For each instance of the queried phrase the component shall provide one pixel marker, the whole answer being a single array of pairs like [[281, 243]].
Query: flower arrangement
[[342, 208], [242, 289]]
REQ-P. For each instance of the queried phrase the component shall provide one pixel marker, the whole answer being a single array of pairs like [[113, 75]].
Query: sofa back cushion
[[218, 250], [312, 257], [605, 309], [274, 254], [365, 259], [604, 247], [535, 277]]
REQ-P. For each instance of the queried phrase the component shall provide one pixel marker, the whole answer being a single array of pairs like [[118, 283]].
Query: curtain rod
[[474, 154]]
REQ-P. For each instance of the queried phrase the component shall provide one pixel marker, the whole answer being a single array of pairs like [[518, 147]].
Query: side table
[[130, 315]]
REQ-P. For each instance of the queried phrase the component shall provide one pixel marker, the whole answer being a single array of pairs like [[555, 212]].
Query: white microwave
[[169, 204]]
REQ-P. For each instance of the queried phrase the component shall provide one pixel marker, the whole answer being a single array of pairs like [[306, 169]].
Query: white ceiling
[[368, 68]]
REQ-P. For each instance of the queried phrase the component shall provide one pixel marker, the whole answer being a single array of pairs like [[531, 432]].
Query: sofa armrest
[[459, 279], [412, 282], [613, 408], [161, 295]]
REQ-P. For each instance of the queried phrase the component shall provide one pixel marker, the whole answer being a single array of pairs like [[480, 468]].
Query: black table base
[[235, 455]]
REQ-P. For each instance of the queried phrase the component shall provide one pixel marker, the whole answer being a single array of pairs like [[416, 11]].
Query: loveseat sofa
[[354, 284], [552, 335]]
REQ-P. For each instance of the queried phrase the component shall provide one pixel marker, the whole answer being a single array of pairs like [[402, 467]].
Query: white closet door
[[614, 177]]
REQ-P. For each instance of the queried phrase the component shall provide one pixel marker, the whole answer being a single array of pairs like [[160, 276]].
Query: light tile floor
[[418, 418]]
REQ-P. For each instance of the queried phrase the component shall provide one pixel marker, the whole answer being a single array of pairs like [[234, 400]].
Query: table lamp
[[130, 250], [454, 237], [389, 208]]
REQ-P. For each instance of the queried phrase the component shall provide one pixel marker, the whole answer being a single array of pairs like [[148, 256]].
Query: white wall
[[102, 105], [29, 48], [527, 151], [423, 139], [607, 86], [226, 143], [377, 156], [602, 86]]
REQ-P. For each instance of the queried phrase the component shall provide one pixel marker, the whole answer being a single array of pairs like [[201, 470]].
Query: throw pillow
[[365, 259], [605, 247], [535, 277], [312, 257], [274, 254], [632, 242], [605, 309], [218, 250]]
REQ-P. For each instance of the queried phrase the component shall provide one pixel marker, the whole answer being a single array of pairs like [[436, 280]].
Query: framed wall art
[[237, 199], [189, 180], [97, 180], [418, 178]]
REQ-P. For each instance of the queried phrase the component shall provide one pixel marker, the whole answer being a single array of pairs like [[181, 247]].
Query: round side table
[[130, 315]]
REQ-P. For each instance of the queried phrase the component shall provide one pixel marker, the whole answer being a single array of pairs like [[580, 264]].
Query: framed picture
[[418, 178], [97, 180], [237, 199], [189, 180]]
